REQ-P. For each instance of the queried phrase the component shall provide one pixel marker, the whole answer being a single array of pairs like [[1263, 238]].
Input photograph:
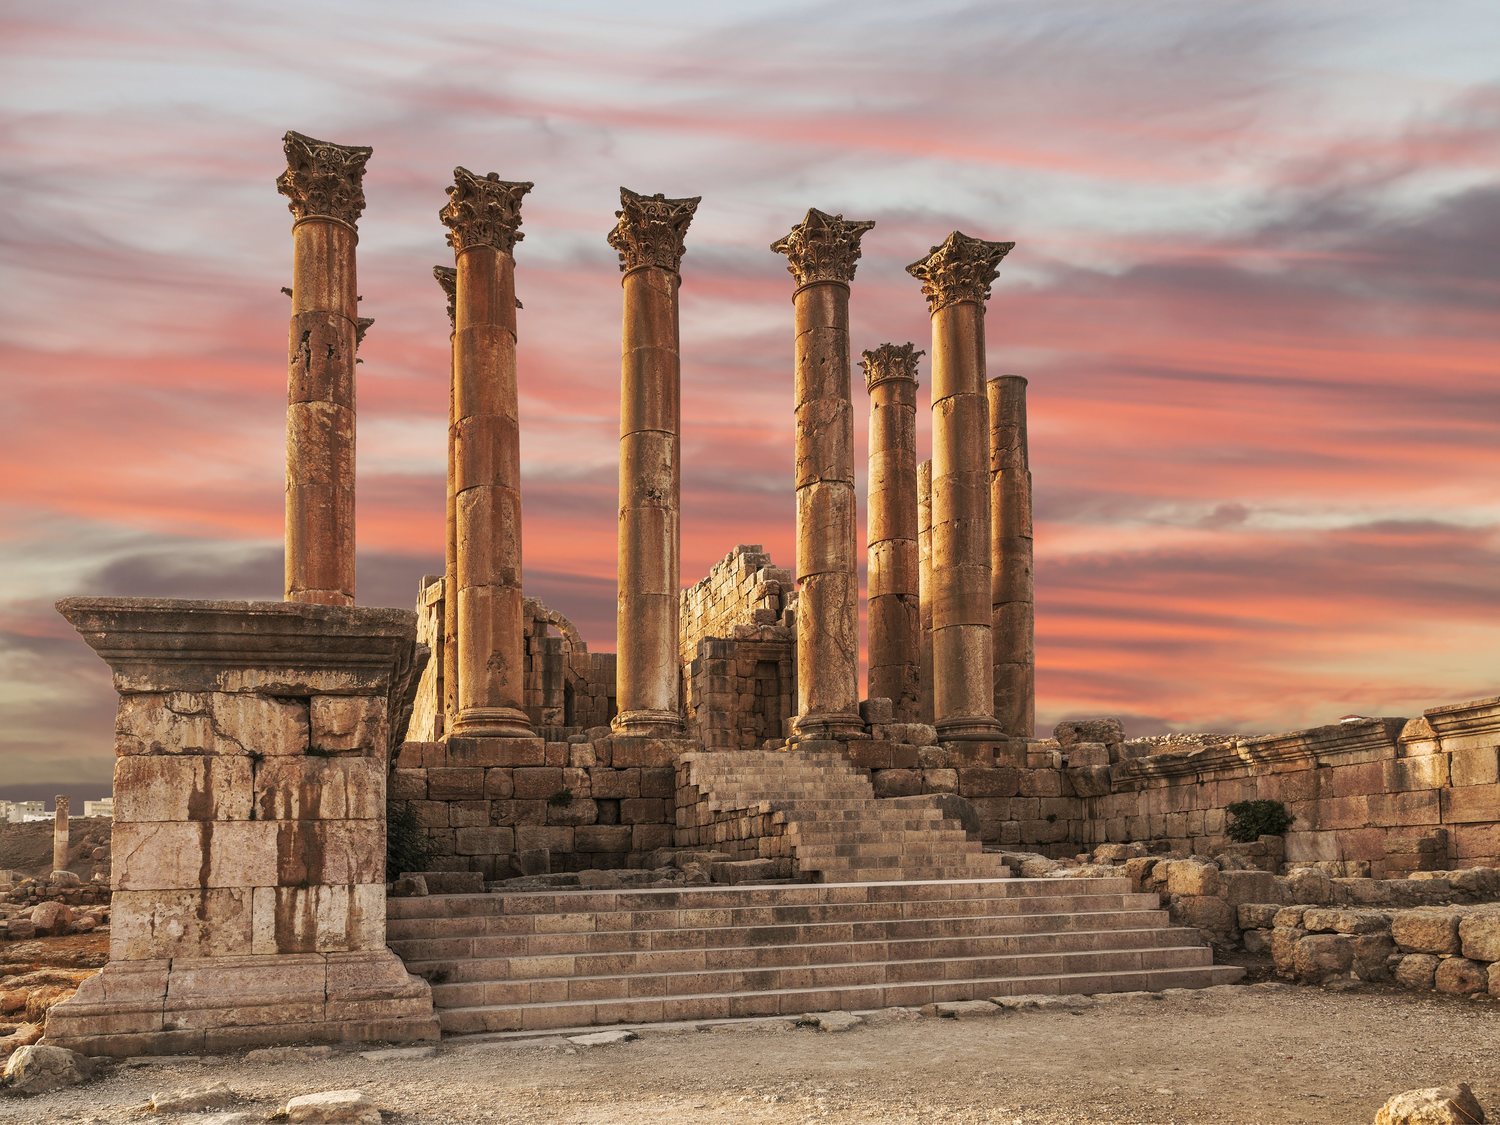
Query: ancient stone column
[[60, 834], [956, 279], [324, 185], [924, 585], [822, 252], [649, 239], [483, 215], [895, 626], [1011, 591], [447, 279]]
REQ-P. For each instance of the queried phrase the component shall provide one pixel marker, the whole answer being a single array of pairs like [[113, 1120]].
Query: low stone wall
[[519, 806]]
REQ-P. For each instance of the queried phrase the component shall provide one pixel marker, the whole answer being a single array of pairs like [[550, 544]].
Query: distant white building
[[105, 806], [20, 812]]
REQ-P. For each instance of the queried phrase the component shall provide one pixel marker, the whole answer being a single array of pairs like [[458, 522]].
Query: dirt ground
[[1267, 1054]]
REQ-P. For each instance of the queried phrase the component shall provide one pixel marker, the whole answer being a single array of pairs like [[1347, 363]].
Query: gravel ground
[[1268, 1054]]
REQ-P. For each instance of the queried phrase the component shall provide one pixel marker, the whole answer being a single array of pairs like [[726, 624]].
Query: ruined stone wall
[[738, 651]]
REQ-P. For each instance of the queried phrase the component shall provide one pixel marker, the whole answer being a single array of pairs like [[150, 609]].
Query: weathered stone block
[[318, 918], [155, 787], [1257, 915], [408, 785], [552, 838], [1426, 930], [643, 810], [1346, 921], [1320, 957], [940, 781], [1479, 934], [485, 841], [897, 783], [596, 838], [455, 783], [156, 924], [989, 781], [346, 723], [537, 783], [1416, 970], [1460, 976], [317, 788], [1187, 877]]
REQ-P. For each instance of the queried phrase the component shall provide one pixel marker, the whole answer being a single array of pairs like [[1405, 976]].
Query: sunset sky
[[1256, 291]]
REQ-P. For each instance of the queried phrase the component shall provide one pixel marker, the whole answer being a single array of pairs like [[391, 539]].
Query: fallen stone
[[51, 919], [38, 1069], [1417, 970], [193, 1099], [1319, 957], [891, 1015], [1257, 915], [333, 1107], [1438, 1105], [409, 886], [603, 1038], [1459, 976], [831, 1021], [288, 1054], [236, 1118], [960, 1009], [397, 1054]]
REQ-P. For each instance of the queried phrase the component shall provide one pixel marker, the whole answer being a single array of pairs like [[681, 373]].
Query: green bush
[[561, 799], [407, 847], [1250, 820]]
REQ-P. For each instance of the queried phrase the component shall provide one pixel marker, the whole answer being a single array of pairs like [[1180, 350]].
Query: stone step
[[796, 1001], [913, 845]]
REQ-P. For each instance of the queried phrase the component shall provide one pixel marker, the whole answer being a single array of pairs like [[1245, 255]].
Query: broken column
[[1011, 596], [924, 587], [649, 239], [60, 834], [483, 215], [822, 252], [323, 183], [447, 279], [895, 626], [956, 279]]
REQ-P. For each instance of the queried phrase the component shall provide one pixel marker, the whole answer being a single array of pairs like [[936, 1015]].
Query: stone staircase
[[821, 813], [552, 959]]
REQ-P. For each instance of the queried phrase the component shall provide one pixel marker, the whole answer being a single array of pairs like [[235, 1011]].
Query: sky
[[1255, 292]]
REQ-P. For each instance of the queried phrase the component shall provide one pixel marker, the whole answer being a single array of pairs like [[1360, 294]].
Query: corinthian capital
[[961, 269], [890, 361], [447, 279], [651, 229], [483, 211], [323, 179], [822, 247]]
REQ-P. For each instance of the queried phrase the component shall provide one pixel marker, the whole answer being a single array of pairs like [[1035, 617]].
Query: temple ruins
[[718, 819]]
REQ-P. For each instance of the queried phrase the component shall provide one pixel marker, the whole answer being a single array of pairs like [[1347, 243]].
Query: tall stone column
[[895, 626], [649, 239], [956, 279], [483, 215], [323, 183], [60, 833], [1011, 591], [447, 279], [924, 584], [822, 252]]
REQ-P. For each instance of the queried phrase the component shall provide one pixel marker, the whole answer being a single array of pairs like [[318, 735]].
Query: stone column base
[[829, 726], [213, 1004], [648, 723], [492, 722]]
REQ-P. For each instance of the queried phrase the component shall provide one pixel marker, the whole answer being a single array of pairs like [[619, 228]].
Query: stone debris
[[194, 1099], [1045, 1003], [277, 1055], [831, 1021], [1438, 1105], [399, 1054], [38, 1069], [960, 1009], [333, 1107], [603, 1038]]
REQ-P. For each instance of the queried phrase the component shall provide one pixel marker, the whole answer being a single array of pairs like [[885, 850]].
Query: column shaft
[[447, 279], [60, 833], [1012, 595], [924, 585], [323, 184], [892, 553]]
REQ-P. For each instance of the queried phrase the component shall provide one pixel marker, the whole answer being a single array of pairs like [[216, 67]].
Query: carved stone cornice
[[651, 229], [447, 279], [822, 247], [483, 211], [961, 269], [890, 361], [322, 179], [361, 326]]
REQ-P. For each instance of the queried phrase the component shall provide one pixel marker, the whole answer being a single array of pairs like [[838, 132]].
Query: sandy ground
[[1265, 1054]]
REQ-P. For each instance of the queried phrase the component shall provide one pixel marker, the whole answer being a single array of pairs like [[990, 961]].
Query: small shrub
[[561, 797], [407, 847], [1250, 820]]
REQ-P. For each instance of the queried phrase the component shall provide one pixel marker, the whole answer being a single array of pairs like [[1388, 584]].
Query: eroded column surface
[[60, 833], [483, 216], [649, 239], [447, 279], [323, 183], [956, 279], [892, 554], [924, 586], [1011, 590], [822, 252]]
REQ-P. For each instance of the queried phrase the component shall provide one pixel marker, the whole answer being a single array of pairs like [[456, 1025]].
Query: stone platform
[[536, 960]]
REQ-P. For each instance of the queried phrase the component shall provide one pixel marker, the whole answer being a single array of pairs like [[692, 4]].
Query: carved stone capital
[[961, 269], [822, 247], [890, 361], [651, 229], [483, 211], [323, 179], [447, 279]]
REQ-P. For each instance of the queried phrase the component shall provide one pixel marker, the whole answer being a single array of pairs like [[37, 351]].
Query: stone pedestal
[[252, 743], [1011, 590], [895, 627], [924, 587], [649, 239], [483, 216], [822, 252], [60, 833], [956, 279], [323, 184]]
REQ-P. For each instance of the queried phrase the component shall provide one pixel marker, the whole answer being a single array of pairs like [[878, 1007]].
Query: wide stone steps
[[517, 961]]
